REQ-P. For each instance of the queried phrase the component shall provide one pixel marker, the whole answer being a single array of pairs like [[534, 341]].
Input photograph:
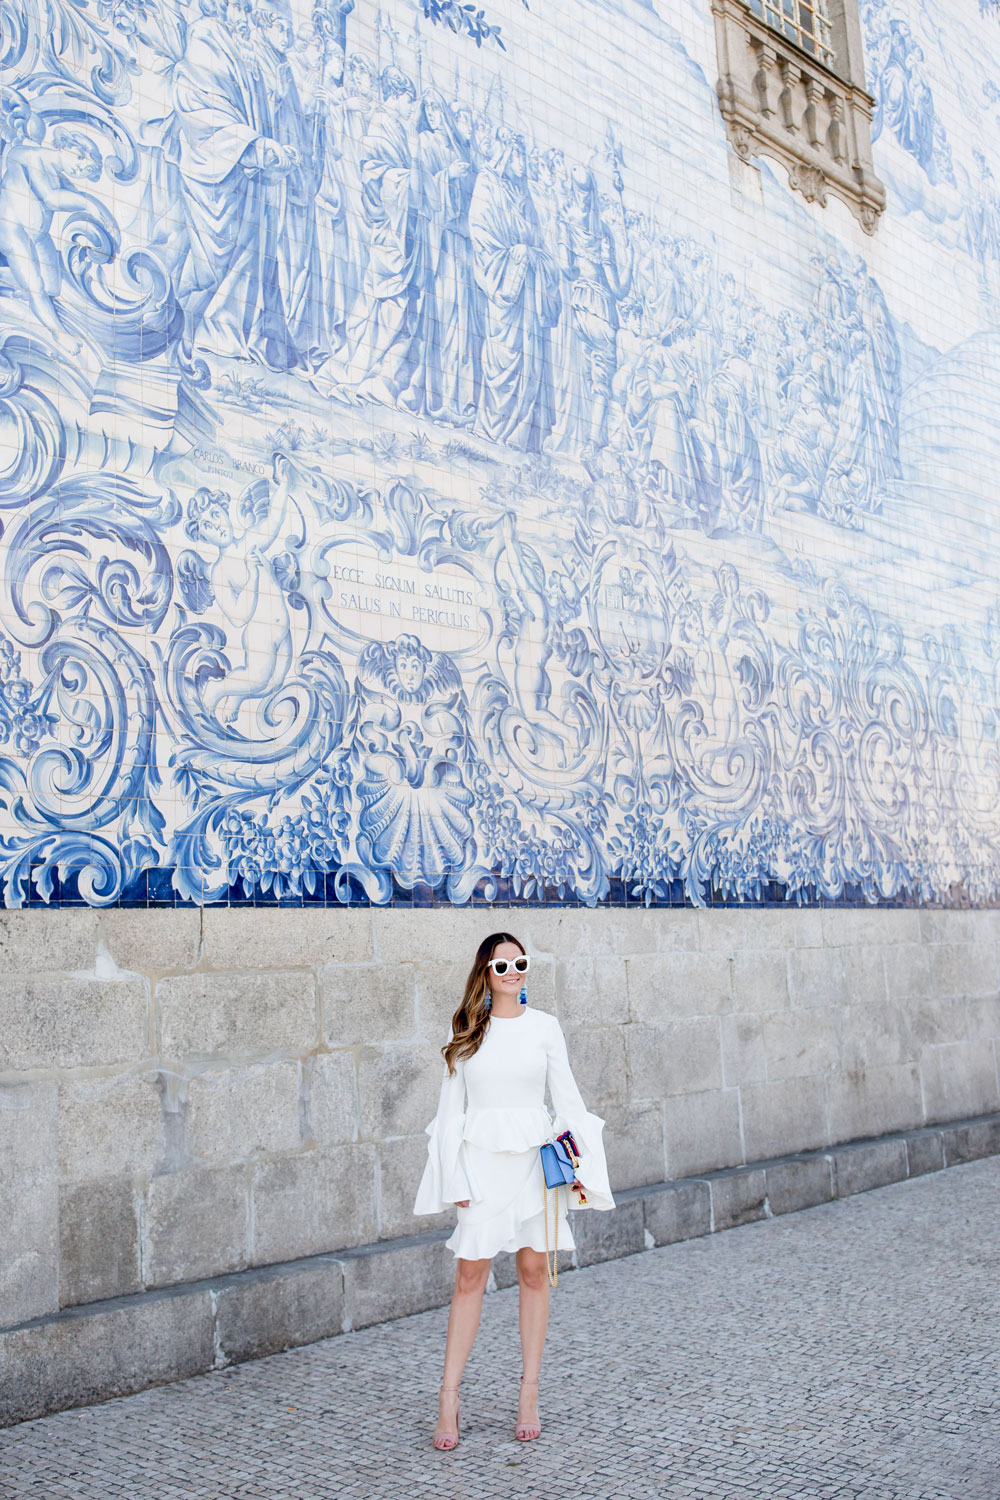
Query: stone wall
[[187, 1093]]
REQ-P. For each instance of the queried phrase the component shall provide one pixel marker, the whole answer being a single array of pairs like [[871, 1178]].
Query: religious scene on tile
[[403, 494]]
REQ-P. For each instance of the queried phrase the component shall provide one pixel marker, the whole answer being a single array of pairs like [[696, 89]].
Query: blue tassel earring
[[523, 996], [487, 1001]]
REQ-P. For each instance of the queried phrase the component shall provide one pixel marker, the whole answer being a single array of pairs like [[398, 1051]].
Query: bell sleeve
[[445, 1181], [572, 1114]]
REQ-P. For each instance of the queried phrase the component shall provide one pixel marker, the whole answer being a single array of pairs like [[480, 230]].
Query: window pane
[[805, 22]]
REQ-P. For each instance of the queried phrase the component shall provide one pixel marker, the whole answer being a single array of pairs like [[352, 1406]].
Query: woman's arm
[[445, 1182], [572, 1114]]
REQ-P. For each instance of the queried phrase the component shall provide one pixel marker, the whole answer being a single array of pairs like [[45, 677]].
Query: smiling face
[[511, 982]]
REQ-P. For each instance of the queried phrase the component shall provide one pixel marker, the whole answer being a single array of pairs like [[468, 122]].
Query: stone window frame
[[780, 101]]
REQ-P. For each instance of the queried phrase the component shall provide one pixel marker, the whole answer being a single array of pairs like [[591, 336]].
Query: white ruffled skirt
[[508, 1206]]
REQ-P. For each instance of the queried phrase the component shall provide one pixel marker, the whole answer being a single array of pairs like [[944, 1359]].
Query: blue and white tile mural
[[431, 469]]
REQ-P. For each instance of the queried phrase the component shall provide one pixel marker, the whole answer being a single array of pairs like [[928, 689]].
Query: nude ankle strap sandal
[[445, 1441], [526, 1432]]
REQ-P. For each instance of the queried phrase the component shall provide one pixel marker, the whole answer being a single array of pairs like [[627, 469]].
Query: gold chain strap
[[553, 1266]]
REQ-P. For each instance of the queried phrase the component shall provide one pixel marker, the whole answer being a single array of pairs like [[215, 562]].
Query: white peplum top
[[495, 1102]]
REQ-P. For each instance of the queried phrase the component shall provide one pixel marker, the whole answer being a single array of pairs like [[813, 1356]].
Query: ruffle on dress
[[507, 1129], [508, 1208]]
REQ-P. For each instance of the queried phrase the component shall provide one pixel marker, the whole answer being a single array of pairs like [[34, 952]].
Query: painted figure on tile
[[330, 271], [228, 163], [589, 262], [982, 223], [246, 583], [631, 392], [520, 281], [294, 201], [39, 172], [874, 318], [570, 425], [801, 455], [682, 454], [547, 737], [734, 411], [904, 101], [858, 467], [448, 317], [354, 108], [382, 335]]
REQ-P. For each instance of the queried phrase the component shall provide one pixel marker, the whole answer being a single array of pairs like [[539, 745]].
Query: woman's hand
[[463, 1204]]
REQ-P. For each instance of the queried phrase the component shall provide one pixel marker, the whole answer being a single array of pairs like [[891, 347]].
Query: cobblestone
[[847, 1352]]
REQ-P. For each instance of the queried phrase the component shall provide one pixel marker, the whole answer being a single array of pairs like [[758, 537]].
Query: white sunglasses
[[501, 965]]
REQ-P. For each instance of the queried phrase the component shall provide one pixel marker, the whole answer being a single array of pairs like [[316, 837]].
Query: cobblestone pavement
[[848, 1350]]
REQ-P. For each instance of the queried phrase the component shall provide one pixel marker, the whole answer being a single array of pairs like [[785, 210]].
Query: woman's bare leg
[[471, 1277], [533, 1279]]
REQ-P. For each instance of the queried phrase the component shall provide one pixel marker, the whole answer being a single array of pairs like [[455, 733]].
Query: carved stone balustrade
[[779, 101]]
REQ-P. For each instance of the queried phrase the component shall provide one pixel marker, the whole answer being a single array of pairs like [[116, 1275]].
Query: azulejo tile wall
[[433, 469]]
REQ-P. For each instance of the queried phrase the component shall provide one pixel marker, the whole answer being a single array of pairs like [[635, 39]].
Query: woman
[[484, 1158]]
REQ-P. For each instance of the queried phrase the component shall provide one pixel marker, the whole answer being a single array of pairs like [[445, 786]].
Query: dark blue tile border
[[154, 888]]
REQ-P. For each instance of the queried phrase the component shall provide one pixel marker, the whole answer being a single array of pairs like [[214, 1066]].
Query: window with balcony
[[792, 87]]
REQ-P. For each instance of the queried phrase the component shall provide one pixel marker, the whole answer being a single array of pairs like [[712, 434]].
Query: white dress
[[485, 1137]]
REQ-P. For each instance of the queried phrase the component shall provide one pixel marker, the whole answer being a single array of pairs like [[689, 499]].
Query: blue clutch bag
[[560, 1160]]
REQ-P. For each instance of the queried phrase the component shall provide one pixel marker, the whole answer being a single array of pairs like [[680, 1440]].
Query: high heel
[[526, 1432], [445, 1441]]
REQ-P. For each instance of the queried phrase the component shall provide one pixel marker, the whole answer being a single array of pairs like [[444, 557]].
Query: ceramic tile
[[432, 474]]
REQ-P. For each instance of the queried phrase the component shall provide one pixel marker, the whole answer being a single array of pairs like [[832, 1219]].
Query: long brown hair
[[469, 1023]]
